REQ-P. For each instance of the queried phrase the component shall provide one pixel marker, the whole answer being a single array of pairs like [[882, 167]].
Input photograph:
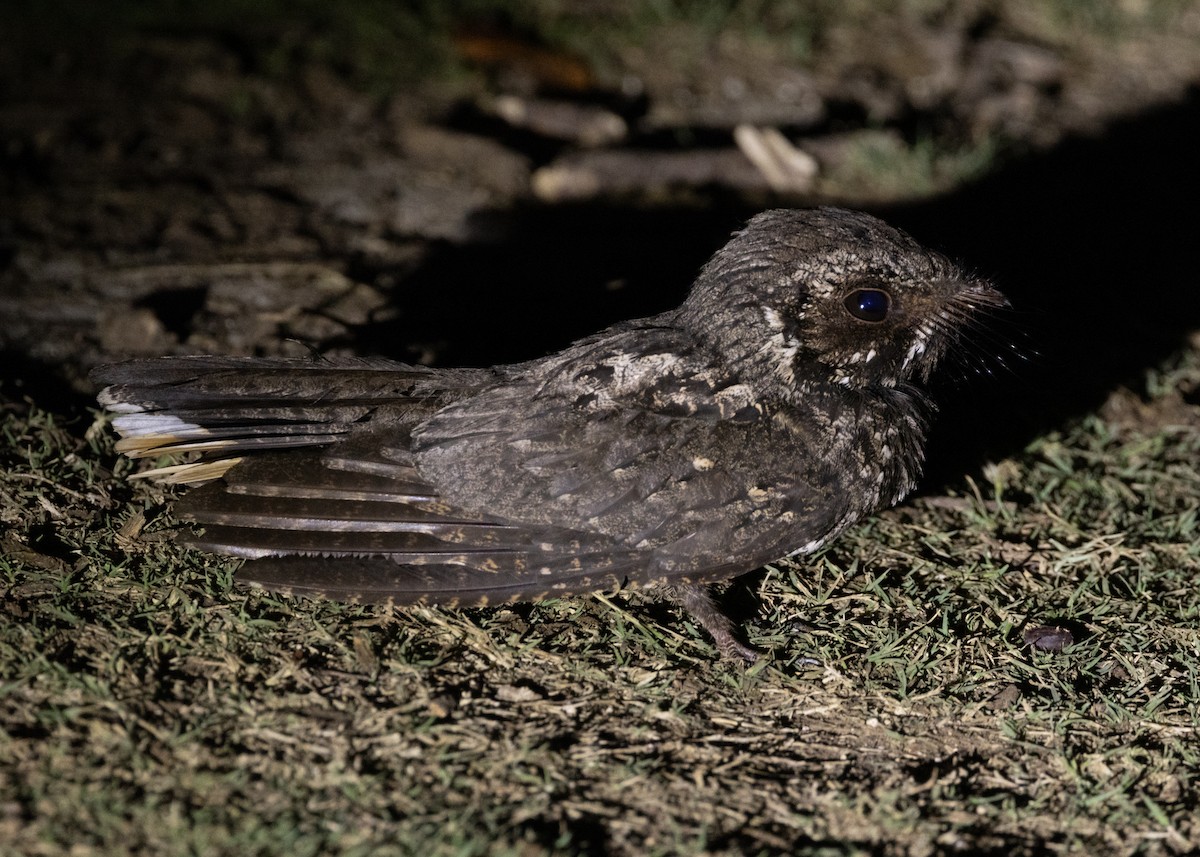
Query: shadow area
[[26, 382], [1095, 244], [557, 274]]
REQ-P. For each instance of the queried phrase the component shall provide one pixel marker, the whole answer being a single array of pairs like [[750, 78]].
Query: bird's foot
[[696, 600]]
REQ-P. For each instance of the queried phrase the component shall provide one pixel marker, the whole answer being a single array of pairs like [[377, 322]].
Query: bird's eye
[[868, 304]]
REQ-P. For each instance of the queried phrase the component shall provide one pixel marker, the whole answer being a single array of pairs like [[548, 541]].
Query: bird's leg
[[695, 599]]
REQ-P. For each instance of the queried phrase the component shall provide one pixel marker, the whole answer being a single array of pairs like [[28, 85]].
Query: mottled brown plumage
[[759, 419]]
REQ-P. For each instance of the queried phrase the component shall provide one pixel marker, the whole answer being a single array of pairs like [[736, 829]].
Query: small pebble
[[1048, 638]]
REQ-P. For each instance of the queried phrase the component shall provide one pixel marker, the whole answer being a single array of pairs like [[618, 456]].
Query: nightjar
[[771, 410]]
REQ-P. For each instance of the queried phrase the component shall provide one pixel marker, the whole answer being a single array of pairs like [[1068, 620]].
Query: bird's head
[[817, 296]]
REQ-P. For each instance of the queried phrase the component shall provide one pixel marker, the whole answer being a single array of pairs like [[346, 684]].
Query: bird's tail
[[222, 409]]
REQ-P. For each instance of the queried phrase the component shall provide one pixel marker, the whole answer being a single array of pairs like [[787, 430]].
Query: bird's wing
[[310, 479], [642, 438]]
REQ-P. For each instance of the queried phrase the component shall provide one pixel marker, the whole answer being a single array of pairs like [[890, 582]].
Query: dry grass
[[149, 706]]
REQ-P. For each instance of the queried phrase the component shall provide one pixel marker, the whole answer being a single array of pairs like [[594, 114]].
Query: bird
[[782, 401]]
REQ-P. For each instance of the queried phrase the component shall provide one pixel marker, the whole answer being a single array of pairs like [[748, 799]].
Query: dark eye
[[868, 304]]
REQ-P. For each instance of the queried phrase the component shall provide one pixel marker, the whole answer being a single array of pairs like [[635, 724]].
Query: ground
[[1007, 662]]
